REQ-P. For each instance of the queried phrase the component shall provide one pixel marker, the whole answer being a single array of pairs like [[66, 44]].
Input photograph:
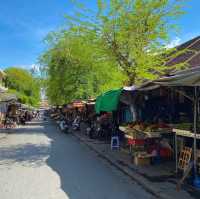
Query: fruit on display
[[183, 126], [137, 126], [140, 126], [151, 128]]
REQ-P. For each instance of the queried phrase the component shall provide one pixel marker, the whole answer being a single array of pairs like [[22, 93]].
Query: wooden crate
[[185, 158]]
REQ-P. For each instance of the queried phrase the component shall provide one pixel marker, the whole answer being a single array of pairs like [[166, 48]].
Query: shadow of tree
[[25, 130], [81, 173], [29, 155]]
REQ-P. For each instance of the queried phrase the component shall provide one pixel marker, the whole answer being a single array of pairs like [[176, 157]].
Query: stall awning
[[6, 97], [78, 104], [190, 77], [2, 89], [108, 101]]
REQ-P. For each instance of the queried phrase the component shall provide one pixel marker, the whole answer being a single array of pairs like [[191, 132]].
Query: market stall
[[106, 107], [90, 113], [5, 100], [150, 140], [3, 110], [150, 132], [126, 108], [187, 78], [56, 112]]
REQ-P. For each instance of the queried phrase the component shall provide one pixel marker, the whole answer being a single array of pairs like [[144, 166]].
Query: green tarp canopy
[[108, 101]]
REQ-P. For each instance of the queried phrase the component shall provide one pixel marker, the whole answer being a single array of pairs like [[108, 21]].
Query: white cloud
[[35, 68], [175, 42], [32, 67]]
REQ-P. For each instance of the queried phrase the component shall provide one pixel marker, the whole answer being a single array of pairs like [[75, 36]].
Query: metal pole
[[195, 130], [176, 153]]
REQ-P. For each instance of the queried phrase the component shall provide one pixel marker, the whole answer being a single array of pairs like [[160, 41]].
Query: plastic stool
[[115, 142]]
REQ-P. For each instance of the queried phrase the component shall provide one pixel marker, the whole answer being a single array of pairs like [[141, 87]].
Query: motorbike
[[22, 120], [63, 125], [9, 123], [93, 130], [76, 124], [89, 127]]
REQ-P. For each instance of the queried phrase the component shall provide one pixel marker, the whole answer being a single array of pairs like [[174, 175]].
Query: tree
[[74, 69], [132, 33], [122, 41], [23, 84]]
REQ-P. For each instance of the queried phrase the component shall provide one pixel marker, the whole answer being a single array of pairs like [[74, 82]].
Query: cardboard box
[[142, 160]]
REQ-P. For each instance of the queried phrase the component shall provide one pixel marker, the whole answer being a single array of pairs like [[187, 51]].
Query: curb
[[3, 135], [135, 177]]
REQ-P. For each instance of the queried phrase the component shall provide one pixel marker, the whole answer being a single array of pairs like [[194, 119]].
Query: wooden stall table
[[138, 137]]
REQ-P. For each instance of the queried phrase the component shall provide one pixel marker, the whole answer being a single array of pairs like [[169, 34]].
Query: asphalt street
[[39, 162]]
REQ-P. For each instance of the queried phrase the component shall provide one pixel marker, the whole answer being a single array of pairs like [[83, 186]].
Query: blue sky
[[24, 24]]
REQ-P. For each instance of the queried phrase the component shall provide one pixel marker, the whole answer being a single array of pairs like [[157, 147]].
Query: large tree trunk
[[131, 78]]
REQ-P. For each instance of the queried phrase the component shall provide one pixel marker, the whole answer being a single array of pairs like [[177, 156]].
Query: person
[[38, 114], [26, 116], [106, 124], [22, 119]]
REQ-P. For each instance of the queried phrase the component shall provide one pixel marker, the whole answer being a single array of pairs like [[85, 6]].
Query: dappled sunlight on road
[[27, 155], [24, 171], [37, 161]]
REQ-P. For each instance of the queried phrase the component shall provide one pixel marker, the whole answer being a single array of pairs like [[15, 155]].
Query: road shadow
[[30, 128], [82, 174], [36, 123], [28, 155], [69, 161], [57, 161]]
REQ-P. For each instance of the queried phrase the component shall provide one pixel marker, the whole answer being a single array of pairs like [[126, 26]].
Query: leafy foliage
[[24, 85], [122, 42], [72, 72], [134, 33]]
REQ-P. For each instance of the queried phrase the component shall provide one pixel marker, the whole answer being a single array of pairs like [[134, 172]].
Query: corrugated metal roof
[[190, 55], [5, 97]]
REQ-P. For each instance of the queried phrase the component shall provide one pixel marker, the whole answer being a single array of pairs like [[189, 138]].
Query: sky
[[25, 23]]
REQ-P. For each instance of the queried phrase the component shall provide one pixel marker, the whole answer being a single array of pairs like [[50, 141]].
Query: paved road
[[38, 162]]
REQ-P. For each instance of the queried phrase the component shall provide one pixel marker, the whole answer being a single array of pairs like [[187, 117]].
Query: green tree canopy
[[23, 84], [132, 33], [120, 41], [75, 70]]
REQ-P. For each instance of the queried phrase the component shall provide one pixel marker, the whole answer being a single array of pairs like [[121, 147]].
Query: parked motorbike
[[88, 124], [76, 124], [64, 127], [93, 130], [22, 120], [9, 123]]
